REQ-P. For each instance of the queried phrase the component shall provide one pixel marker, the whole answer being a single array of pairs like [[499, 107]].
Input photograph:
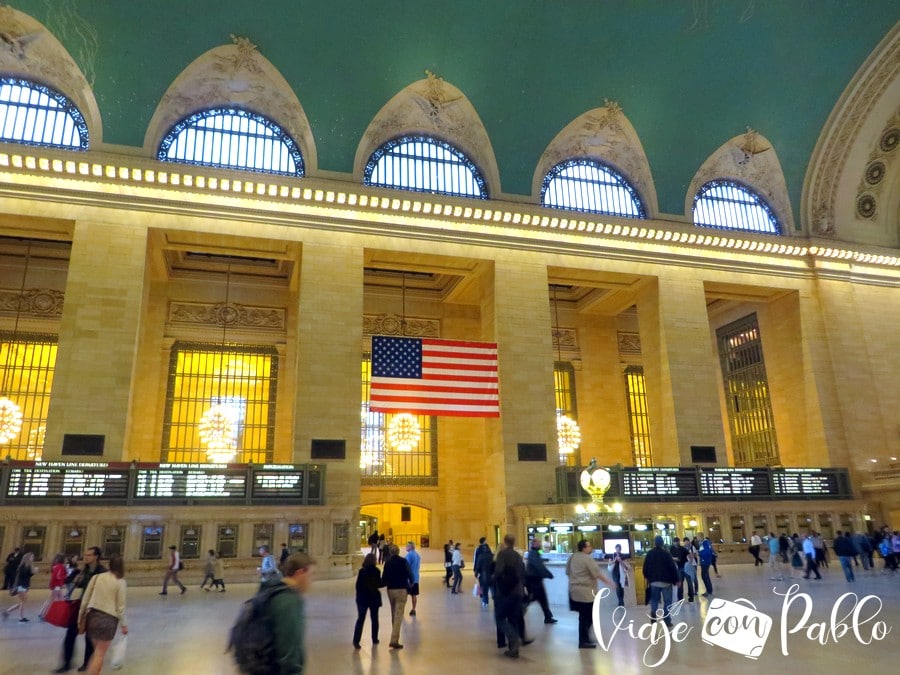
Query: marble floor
[[453, 634]]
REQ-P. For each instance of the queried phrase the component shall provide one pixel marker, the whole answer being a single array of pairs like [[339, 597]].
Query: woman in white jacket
[[102, 610]]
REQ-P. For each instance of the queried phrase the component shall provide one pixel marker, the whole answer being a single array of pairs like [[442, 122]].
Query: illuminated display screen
[[277, 481], [735, 482], [191, 481], [810, 483], [655, 483], [68, 482]]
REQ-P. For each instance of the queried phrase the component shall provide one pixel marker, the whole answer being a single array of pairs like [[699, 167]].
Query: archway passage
[[398, 522]]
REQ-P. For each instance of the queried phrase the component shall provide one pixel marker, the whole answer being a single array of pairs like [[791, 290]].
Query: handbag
[[117, 652], [60, 612]]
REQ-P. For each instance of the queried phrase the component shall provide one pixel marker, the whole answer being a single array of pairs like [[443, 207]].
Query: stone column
[[516, 312], [680, 370], [329, 358], [98, 337]]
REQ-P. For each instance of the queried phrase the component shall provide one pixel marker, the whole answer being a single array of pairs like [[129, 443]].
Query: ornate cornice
[[629, 343], [393, 324], [231, 315], [43, 303]]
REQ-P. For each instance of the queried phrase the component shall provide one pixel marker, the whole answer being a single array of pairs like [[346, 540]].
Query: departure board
[[191, 481], [748, 483], [822, 483], [64, 481], [659, 483], [277, 481]]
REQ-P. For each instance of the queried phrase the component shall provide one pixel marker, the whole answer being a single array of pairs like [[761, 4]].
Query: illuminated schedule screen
[[810, 483], [735, 482], [63, 482], [659, 483], [277, 482], [189, 481]]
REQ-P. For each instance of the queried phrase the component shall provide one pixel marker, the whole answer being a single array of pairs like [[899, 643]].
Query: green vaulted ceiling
[[689, 74]]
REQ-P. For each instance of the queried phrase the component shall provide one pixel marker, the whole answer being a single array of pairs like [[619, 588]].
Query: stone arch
[[751, 160], [30, 51], [233, 75], [852, 186], [435, 108], [604, 134]]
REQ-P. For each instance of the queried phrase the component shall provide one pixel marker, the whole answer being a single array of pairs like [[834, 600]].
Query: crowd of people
[[510, 580]]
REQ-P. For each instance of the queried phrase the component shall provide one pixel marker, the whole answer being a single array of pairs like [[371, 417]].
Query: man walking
[[415, 562], [755, 546], [845, 551], [809, 551], [11, 566], [775, 558], [92, 567], [397, 577], [172, 571], [509, 586], [535, 573], [661, 574], [288, 613], [680, 555]]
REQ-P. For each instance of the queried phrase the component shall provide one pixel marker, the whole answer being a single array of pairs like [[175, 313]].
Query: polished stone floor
[[451, 633]]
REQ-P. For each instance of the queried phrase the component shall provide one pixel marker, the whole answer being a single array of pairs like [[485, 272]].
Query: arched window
[[727, 205], [34, 114], [424, 164], [232, 138], [592, 187]]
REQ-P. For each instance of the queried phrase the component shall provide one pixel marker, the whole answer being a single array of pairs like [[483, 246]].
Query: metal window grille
[[232, 138], [31, 359], [589, 186], [727, 205], [34, 114], [424, 164], [638, 416], [749, 405], [201, 375], [381, 465]]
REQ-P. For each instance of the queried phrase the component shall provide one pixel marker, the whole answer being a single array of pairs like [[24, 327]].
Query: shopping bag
[[476, 589], [117, 652], [59, 613]]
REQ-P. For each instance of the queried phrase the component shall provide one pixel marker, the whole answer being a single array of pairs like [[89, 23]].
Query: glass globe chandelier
[[568, 434], [217, 427], [11, 416], [403, 433]]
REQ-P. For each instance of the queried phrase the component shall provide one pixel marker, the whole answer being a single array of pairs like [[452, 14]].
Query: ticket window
[[340, 539], [33, 541], [113, 541], [152, 543], [783, 524], [298, 535], [804, 524], [226, 541], [262, 536], [761, 525], [73, 540], [738, 533], [826, 526], [190, 542], [715, 529], [846, 520]]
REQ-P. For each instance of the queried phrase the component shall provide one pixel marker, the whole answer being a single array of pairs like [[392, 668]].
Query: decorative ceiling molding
[[749, 159], [879, 170], [234, 75], [30, 51], [231, 315], [435, 108], [841, 133], [607, 135]]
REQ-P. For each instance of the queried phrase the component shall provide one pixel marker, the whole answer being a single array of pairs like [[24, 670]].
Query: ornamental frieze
[[34, 302], [231, 315]]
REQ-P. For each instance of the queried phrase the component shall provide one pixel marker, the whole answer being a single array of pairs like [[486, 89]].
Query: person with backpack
[[268, 636]]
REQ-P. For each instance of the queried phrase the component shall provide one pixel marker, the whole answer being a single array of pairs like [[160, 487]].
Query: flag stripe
[[434, 377]]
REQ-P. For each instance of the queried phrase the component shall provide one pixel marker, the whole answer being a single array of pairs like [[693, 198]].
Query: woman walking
[[209, 570], [58, 574], [456, 564], [22, 584], [448, 564], [102, 610], [368, 598], [584, 573]]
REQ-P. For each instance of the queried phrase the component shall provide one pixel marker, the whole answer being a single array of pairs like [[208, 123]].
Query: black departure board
[[819, 483], [64, 481], [659, 483], [744, 482], [191, 481], [277, 481]]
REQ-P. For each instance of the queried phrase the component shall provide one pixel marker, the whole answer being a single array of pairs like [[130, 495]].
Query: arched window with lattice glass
[[590, 186], [34, 114], [728, 205]]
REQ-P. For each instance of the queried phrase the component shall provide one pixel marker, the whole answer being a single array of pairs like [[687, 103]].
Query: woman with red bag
[[58, 574]]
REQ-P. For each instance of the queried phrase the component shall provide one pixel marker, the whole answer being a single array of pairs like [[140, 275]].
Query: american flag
[[434, 377]]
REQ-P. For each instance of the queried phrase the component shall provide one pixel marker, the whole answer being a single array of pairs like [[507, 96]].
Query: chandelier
[[217, 427], [403, 432], [10, 413], [568, 433]]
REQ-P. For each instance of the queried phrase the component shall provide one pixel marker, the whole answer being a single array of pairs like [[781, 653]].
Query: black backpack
[[252, 639]]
